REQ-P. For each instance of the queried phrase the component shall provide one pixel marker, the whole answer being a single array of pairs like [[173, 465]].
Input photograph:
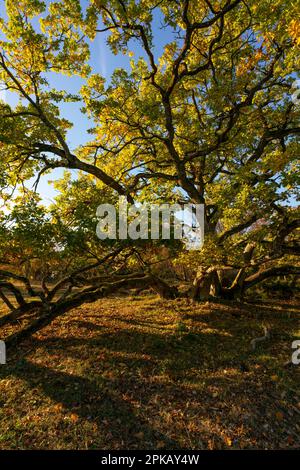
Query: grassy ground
[[140, 373]]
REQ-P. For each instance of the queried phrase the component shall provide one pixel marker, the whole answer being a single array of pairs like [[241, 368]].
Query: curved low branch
[[17, 277], [6, 300], [270, 272], [19, 312], [15, 291], [47, 313], [71, 278]]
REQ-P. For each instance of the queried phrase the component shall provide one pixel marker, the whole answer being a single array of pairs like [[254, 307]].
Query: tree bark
[[46, 313]]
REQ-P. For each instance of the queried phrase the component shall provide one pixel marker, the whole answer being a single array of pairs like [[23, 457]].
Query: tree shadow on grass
[[93, 400], [127, 342], [152, 374], [129, 381], [86, 324], [144, 323]]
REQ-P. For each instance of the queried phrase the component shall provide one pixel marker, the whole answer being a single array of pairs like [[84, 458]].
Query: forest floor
[[142, 373]]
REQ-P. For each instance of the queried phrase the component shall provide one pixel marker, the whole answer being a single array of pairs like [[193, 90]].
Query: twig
[[260, 338]]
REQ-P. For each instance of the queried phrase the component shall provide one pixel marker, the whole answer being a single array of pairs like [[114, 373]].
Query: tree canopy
[[202, 113]]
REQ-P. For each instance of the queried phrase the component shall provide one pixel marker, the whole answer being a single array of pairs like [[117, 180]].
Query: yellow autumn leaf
[[74, 418], [58, 407], [294, 30]]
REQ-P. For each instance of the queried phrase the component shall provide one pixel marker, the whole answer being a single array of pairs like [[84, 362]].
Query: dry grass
[[140, 373]]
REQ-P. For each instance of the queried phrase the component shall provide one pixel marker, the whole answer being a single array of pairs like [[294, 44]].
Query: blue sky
[[102, 61]]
